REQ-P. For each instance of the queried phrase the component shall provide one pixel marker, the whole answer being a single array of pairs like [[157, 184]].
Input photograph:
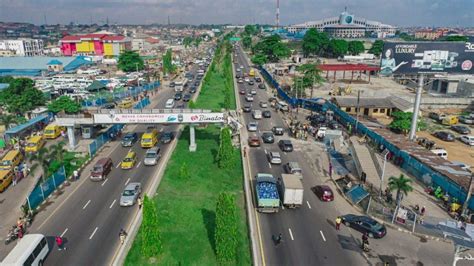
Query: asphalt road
[[309, 237], [89, 217]]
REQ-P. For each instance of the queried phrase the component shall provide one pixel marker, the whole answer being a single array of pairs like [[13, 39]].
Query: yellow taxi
[[129, 161]]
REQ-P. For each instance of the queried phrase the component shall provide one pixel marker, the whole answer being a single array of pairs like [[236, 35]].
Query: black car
[[251, 82], [186, 97], [261, 86], [285, 145], [334, 125], [109, 106], [172, 84], [279, 131], [247, 108], [167, 137], [237, 76], [192, 89], [129, 139], [443, 135], [178, 96], [461, 129], [267, 114], [268, 137], [258, 79], [365, 224], [196, 83]]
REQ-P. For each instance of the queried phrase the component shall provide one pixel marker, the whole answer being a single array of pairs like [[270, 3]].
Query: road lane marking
[[85, 206], [64, 232], [111, 205], [291, 234], [128, 180], [103, 183], [118, 165], [322, 235], [309, 206], [138, 165], [93, 233], [269, 165], [265, 151]]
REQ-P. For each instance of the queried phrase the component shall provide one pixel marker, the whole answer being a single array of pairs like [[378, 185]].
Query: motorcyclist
[[122, 236], [365, 242]]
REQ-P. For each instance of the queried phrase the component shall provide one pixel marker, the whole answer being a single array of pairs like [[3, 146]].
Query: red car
[[242, 92], [254, 141], [323, 192]]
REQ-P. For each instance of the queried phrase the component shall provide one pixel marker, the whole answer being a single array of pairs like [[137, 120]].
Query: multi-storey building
[[94, 44], [23, 47]]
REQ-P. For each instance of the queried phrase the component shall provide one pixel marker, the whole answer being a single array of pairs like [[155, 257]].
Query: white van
[[257, 114], [281, 105], [441, 153], [32, 249], [169, 103]]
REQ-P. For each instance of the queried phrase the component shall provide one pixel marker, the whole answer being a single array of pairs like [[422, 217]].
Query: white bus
[[180, 84], [32, 249]]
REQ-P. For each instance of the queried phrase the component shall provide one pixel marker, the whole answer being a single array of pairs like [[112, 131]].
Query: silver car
[[252, 126], [130, 194], [274, 157], [151, 156]]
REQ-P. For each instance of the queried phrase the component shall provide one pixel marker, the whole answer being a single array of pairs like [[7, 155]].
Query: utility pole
[[416, 108], [278, 15], [357, 110]]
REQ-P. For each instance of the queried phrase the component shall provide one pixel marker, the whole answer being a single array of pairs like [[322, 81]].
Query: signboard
[[183, 118], [414, 57]]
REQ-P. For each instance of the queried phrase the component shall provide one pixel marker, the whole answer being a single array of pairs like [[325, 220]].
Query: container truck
[[266, 189], [291, 190]]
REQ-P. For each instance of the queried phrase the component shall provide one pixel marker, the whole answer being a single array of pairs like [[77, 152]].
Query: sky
[[393, 12]]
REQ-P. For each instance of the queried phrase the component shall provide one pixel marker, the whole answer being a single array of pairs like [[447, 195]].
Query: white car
[[249, 98], [274, 157], [238, 70], [247, 79], [242, 67], [469, 140], [321, 132], [252, 126], [466, 120], [263, 104], [240, 81], [253, 92]]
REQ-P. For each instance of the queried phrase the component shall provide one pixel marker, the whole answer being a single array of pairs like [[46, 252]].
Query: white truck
[[291, 190]]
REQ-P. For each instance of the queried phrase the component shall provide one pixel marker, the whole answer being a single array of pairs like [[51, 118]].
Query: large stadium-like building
[[347, 26]]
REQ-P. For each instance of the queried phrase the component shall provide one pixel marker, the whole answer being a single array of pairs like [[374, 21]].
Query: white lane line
[[322, 235], [265, 151], [118, 165], [128, 180], [93, 233], [85, 206], [130, 150], [64, 232], [103, 183], [111, 205], [309, 206], [270, 165], [291, 234], [161, 129], [138, 165]]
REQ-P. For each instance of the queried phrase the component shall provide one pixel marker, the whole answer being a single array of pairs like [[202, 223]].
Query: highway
[[309, 238], [89, 217]]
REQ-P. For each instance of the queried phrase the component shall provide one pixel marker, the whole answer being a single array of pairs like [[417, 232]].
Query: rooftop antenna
[[45, 21], [169, 24], [278, 14]]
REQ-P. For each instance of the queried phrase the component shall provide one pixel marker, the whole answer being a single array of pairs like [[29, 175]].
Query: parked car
[[437, 116], [285, 145], [274, 157], [167, 137], [252, 126], [129, 139], [151, 156], [172, 84], [130, 194], [109, 106], [268, 137], [469, 140], [247, 108], [293, 168], [261, 86], [466, 120], [186, 97], [443, 135], [263, 104], [461, 129], [254, 141], [267, 114], [279, 131], [323, 192], [334, 125], [365, 224]]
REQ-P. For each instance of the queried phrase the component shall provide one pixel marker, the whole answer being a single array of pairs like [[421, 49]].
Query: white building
[[347, 26], [23, 47]]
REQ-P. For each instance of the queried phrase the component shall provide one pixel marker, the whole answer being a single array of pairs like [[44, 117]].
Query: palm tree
[[7, 120], [57, 151], [42, 160], [401, 184]]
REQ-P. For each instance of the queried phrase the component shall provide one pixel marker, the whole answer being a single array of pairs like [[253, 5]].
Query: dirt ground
[[457, 151]]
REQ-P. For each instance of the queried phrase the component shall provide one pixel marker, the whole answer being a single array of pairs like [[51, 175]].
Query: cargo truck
[[266, 189], [291, 190]]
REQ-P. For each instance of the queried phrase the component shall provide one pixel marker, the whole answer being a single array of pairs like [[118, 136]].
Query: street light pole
[[357, 110], [385, 155]]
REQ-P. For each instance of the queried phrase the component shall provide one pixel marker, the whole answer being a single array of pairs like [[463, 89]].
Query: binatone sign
[[168, 118]]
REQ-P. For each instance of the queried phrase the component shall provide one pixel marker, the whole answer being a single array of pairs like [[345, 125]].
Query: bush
[[226, 228], [224, 156], [184, 172], [151, 240]]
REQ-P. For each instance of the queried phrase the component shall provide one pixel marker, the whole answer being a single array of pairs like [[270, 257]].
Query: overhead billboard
[[171, 118], [426, 57]]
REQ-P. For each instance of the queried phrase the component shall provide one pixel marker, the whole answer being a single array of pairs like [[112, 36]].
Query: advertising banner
[[425, 57], [182, 118]]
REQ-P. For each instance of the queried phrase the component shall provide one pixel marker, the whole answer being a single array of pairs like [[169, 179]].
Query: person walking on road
[[330, 169], [338, 222], [60, 243], [75, 174], [245, 151], [140, 202]]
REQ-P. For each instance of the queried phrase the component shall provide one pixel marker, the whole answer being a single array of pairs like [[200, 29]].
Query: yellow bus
[[12, 158], [34, 144], [53, 131], [126, 104], [6, 178], [149, 139]]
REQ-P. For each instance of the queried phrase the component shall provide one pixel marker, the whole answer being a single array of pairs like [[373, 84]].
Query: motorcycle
[[28, 219], [12, 235]]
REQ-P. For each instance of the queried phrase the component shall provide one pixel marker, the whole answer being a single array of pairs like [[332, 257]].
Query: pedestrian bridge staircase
[[364, 159]]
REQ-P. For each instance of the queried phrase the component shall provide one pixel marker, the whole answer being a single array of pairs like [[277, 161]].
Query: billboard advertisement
[[184, 118], [426, 57]]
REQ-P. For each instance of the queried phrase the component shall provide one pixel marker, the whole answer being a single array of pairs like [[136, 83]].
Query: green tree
[[226, 98], [41, 159], [250, 30], [377, 48], [455, 38], [314, 42], [311, 76], [247, 41], [401, 184], [226, 229], [7, 120], [224, 155], [150, 237], [401, 121], [272, 48], [197, 41], [64, 103], [168, 66], [129, 61], [21, 96], [57, 151], [259, 59], [356, 47], [187, 41], [338, 47]]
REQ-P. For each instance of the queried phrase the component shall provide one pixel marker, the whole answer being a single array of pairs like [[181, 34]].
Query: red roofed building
[[94, 44]]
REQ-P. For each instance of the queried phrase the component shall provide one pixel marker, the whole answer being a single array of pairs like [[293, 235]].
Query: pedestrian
[[60, 243], [75, 174], [245, 151], [423, 210], [338, 222], [140, 202], [330, 169]]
